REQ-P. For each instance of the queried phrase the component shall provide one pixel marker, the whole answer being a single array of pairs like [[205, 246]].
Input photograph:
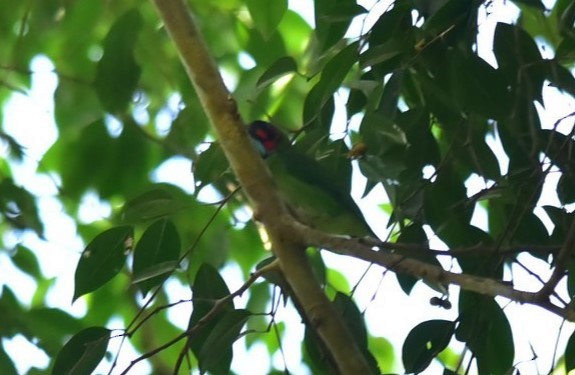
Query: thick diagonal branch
[[253, 176]]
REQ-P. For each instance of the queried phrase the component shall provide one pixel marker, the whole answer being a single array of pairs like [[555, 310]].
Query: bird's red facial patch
[[266, 135]]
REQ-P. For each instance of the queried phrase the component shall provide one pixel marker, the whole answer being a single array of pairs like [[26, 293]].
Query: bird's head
[[266, 137]]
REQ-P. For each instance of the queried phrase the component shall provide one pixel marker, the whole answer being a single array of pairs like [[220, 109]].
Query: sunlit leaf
[[267, 14], [282, 66]]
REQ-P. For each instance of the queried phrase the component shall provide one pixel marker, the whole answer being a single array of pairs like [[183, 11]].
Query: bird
[[312, 193]]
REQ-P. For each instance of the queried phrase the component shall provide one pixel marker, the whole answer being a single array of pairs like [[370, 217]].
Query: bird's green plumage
[[312, 193]]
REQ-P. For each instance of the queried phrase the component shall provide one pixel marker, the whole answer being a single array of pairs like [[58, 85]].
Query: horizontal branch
[[471, 251], [400, 263]]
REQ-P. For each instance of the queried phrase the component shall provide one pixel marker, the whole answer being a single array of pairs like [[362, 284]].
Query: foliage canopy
[[420, 97]]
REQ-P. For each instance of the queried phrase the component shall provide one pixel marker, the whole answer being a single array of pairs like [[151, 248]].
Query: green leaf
[[156, 254], [424, 342], [117, 73], [101, 260], [343, 12], [18, 207], [571, 279], [208, 287], [384, 353], [486, 330], [6, 365], [415, 235], [329, 31], [216, 353], [151, 204], [210, 166], [83, 352], [520, 60], [26, 261], [282, 66], [331, 79], [352, 317], [570, 353], [532, 3], [267, 14]]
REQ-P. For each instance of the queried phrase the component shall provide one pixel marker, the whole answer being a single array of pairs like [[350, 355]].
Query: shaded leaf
[[486, 330], [210, 166], [216, 353], [117, 73], [6, 365], [156, 254], [101, 260], [82, 352], [570, 353], [424, 342], [208, 287]]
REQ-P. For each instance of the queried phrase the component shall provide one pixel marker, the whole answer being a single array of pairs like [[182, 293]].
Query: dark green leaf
[[156, 254], [18, 207], [318, 265], [6, 365], [102, 259], [486, 330], [332, 76], [82, 352], [151, 204], [267, 14], [415, 235], [11, 312], [49, 327], [117, 73], [561, 77], [216, 353], [208, 287], [570, 353], [329, 32], [424, 343], [282, 66], [352, 317], [343, 12], [26, 261], [532, 3], [519, 58], [210, 166]]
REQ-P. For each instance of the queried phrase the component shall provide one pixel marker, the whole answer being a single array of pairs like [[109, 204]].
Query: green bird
[[311, 192]]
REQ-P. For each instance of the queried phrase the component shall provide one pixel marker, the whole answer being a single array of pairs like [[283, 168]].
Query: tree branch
[[421, 270], [561, 261], [254, 177]]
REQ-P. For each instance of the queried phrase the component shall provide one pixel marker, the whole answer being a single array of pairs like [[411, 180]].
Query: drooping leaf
[[486, 330], [216, 353], [6, 365], [424, 342], [570, 353], [208, 287], [156, 254], [101, 260], [282, 66], [118, 73], [210, 166], [267, 14], [82, 352]]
